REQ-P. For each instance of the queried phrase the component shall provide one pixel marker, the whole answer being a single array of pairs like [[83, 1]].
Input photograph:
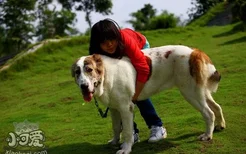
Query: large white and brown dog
[[112, 81]]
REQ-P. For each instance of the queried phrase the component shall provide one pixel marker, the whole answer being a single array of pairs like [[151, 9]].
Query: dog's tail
[[203, 70]]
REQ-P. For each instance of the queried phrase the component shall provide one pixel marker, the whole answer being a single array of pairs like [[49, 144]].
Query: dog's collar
[[96, 84]]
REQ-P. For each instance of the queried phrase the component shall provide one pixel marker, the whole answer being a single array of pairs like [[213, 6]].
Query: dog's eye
[[88, 69]]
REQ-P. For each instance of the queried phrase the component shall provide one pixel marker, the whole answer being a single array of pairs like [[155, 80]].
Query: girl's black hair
[[103, 30]]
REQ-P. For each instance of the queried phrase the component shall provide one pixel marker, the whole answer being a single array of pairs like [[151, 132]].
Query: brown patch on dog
[[196, 62], [90, 67], [157, 54], [167, 54], [199, 54], [99, 64], [93, 66]]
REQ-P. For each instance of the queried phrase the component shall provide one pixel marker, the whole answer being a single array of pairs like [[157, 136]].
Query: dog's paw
[[125, 148], [114, 141], [122, 152], [219, 128], [205, 137], [123, 145]]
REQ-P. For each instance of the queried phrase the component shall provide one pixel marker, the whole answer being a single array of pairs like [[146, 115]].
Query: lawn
[[39, 88]]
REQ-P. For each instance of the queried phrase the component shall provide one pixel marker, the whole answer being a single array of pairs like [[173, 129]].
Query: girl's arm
[[139, 62]]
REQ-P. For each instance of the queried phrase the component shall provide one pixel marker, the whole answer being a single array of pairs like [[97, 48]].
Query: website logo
[[25, 136]]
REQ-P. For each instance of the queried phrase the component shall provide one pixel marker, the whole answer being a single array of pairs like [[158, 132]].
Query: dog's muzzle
[[87, 94]]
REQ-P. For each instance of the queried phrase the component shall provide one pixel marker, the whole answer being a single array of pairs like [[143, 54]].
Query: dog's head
[[88, 72]]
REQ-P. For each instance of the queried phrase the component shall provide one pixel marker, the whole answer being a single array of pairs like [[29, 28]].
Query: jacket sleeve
[[137, 58]]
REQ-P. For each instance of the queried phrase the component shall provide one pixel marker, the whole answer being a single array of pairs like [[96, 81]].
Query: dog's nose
[[84, 86]]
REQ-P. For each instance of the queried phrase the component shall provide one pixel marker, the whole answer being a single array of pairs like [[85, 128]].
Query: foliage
[[141, 18], [88, 6], [54, 23], [239, 10], [45, 27], [163, 21], [146, 19], [19, 17], [200, 7], [16, 24]]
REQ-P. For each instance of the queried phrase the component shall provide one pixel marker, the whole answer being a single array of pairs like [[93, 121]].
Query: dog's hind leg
[[219, 118], [197, 99], [116, 125]]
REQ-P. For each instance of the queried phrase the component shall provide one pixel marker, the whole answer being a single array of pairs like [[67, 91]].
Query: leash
[[103, 115]]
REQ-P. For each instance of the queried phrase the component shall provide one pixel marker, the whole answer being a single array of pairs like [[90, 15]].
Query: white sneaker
[[157, 133]]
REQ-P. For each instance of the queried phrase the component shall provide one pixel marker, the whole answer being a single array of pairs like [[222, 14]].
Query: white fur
[[118, 85]]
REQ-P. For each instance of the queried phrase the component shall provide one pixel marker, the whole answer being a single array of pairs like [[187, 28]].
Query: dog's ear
[[98, 59], [73, 68]]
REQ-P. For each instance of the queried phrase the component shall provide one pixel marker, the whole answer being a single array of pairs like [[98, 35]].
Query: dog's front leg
[[116, 125], [127, 130]]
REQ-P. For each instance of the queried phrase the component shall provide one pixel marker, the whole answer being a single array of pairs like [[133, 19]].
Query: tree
[[54, 23], [146, 19], [16, 24], [201, 7], [64, 23], [141, 18], [45, 27], [239, 10], [88, 6]]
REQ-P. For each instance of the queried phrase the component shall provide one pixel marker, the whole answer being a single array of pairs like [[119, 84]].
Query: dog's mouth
[[87, 94]]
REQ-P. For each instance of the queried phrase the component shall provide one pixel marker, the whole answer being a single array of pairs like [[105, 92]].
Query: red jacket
[[134, 42]]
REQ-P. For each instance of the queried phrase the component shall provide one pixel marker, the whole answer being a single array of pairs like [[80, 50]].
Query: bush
[[163, 21]]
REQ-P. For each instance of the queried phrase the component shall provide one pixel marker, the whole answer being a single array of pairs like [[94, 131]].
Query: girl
[[108, 39]]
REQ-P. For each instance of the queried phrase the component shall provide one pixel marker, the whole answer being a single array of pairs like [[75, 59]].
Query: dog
[[112, 81]]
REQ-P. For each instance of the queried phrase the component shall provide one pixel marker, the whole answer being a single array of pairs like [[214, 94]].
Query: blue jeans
[[149, 114], [147, 109]]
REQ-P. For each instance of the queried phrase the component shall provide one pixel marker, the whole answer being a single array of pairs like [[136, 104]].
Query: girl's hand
[[139, 88], [134, 98]]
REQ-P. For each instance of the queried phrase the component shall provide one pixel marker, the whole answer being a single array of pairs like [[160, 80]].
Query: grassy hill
[[40, 89], [211, 14]]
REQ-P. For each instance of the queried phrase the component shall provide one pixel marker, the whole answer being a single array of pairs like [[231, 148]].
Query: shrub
[[163, 21]]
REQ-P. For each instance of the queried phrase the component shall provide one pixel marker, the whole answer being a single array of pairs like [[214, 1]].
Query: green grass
[[39, 88]]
